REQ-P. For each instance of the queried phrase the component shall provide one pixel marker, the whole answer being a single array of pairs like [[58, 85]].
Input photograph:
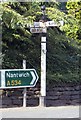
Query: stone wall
[[57, 95], [62, 95]]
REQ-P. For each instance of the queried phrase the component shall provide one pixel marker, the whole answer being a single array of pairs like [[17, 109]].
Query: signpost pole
[[43, 24], [43, 71], [25, 90]]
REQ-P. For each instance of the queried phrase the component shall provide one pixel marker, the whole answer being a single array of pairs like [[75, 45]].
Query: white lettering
[[26, 74], [14, 75], [20, 75], [8, 75]]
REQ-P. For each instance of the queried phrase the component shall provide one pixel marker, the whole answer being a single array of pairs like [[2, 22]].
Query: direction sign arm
[[34, 78]]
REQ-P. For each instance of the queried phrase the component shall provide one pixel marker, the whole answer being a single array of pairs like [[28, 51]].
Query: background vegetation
[[63, 42]]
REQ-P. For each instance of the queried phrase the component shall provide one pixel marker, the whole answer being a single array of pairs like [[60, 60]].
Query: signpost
[[41, 27], [38, 30], [50, 24], [25, 90], [43, 54], [15, 78]]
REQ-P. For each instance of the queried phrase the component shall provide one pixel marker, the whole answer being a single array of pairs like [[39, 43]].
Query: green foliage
[[62, 59], [55, 14], [19, 43], [73, 20]]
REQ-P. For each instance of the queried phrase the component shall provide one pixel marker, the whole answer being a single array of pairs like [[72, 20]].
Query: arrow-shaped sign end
[[35, 77]]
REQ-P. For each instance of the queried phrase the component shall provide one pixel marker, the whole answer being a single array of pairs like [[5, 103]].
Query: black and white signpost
[[25, 90], [41, 27]]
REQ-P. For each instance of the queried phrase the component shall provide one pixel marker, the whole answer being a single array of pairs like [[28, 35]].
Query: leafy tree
[[73, 22], [0, 36], [19, 43], [15, 36]]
